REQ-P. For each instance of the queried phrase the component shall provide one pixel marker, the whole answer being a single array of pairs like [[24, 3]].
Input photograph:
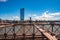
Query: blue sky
[[37, 9]]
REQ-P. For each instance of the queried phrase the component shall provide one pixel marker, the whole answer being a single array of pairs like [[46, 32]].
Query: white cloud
[[3, 0], [16, 17], [34, 15], [47, 16], [55, 14]]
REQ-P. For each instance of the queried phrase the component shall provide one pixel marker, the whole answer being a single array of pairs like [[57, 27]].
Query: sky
[[37, 9]]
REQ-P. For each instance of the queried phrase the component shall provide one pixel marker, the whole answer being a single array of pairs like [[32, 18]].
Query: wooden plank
[[3, 26], [49, 36]]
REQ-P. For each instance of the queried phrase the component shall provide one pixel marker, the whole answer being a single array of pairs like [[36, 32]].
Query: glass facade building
[[22, 14]]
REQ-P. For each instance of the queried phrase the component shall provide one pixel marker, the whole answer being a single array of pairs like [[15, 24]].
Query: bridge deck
[[45, 33]]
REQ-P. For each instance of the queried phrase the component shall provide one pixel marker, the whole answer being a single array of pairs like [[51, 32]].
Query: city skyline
[[37, 9]]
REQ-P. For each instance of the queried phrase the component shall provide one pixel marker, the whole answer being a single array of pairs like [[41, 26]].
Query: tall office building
[[22, 14]]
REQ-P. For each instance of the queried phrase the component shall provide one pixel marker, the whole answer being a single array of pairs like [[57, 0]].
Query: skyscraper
[[22, 14]]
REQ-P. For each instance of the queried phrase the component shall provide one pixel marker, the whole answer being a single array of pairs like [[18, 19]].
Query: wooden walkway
[[49, 36]]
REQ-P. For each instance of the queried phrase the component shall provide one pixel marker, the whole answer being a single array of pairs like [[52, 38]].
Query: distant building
[[22, 14], [0, 20]]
